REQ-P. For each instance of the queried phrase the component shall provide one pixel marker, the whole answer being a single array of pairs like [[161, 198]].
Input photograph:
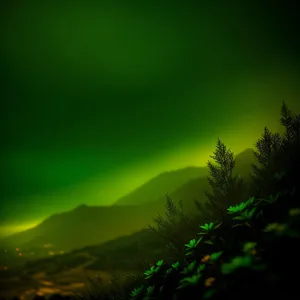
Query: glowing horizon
[[98, 99]]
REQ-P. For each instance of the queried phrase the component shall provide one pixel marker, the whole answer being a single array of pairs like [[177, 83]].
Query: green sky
[[98, 98]]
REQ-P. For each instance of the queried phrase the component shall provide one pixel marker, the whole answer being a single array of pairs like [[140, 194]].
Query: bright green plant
[[192, 245], [215, 256], [151, 271], [154, 269], [175, 265], [160, 263], [240, 207], [207, 227], [246, 215]]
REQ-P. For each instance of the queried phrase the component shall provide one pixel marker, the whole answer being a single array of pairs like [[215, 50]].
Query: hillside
[[65, 231], [166, 182], [187, 184], [195, 188]]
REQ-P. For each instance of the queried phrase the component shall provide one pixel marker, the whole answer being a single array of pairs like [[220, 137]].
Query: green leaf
[[216, 255], [175, 265], [249, 246], [240, 207], [151, 271], [207, 226], [237, 262], [246, 215], [209, 242], [200, 268], [191, 244], [190, 268], [137, 291], [193, 280], [202, 233], [199, 240], [251, 212], [249, 201], [160, 263]]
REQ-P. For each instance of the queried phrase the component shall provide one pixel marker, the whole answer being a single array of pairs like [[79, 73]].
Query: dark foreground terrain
[[70, 273]]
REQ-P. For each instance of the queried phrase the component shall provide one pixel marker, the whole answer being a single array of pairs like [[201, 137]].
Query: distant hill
[[83, 226], [163, 183], [184, 184], [194, 189], [90, 225]]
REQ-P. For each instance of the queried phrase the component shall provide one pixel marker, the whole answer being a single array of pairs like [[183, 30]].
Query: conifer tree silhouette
[[175, 228], [226, 187], [291, 122], [277, 154], [267, 154]]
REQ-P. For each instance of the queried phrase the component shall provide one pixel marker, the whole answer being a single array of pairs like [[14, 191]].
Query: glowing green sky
[[98, 98]]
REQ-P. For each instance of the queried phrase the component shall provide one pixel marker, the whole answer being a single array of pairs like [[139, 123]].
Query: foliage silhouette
[[277, 155], [175, 228], [226, 188]]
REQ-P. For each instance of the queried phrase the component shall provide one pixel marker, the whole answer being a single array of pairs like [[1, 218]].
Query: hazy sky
[[98, 98]]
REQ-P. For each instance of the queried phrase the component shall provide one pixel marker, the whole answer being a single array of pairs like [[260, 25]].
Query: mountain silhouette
[[161, 184], [91, 225], [183, 184]]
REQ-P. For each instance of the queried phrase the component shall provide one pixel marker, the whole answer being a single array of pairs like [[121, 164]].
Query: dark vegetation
[[242, 243]]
